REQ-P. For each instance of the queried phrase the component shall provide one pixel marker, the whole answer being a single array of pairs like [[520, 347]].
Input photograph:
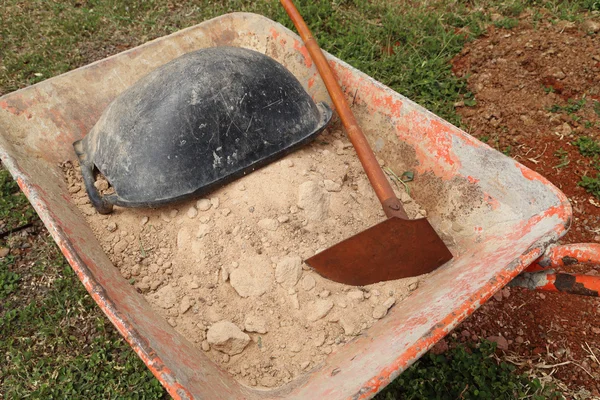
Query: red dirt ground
[[517, 76]]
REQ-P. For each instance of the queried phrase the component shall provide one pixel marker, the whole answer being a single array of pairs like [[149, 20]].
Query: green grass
[[587, 146], [591, 185], [465, 372], [55, 341], [14, 207]]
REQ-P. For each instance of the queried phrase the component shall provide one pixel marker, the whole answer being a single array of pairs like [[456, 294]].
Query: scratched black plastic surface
[[196, 123]]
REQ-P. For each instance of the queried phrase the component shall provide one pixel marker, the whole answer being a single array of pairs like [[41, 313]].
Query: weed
[[548, 89], [563, 155], [464, 372], [8, 279], [596, 106], [14, 207], [588, 124], [572, 106], [591, 185], [507, 23], [587, 146]]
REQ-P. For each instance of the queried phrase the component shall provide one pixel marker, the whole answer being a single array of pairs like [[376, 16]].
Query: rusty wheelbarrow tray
[[503, 216]]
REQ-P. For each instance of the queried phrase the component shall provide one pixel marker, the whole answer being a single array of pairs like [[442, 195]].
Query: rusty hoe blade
[[386, 251], [393, 249]]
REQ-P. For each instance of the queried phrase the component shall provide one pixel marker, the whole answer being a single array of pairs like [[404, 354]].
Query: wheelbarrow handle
[[383, 189], [541, 276], [560, 255]]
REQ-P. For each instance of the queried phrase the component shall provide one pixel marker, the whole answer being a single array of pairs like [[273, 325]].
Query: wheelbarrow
[[504, 217]]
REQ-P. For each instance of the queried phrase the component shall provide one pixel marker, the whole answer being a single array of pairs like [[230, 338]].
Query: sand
[[228, 271]]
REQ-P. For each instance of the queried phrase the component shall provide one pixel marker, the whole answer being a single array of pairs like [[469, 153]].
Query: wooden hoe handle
[[391, 205]]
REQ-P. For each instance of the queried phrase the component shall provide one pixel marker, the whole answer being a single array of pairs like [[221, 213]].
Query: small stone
[[136, 269], [440, 347], [225, 212], [293, 209], [144, 221], [288, 271], [268, 224], [168, 271], [227, 338], [215, 202], [332, 186], [304, 365], [313, 200], [456, 227], [341, 303], [205, 345], [154, 285], [319, 340], [119, 247], [355, 295], [380, 311], [319, 309], [153, 268], [500, 341], [268, 381], [172, 322], [288, 163], [324, 294], [165, 217], [294, 300], [236, 230], [226, 358], [255, 324], [413, 286], [224, 274], [74, 188], [111, 227], [203, 204], [185, 305], [541, 296], [203, 230], [590, 26], [241, 187], [4, 251], [173, 213], [194, 285], [252, 280], [101, 184], [142, 286], [519, 340], [166, 297], [192, 212], [308, 282], [498, 296]]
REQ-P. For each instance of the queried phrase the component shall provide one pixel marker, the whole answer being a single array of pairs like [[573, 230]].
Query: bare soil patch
[[535, 89]]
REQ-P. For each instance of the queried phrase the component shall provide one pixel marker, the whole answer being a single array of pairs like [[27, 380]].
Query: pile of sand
[[227, 272]]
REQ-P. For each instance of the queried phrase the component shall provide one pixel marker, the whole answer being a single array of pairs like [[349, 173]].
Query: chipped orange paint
[[311, 82], [472, 179], [274, 33], [494, 203], [11, 109], [304, 51]]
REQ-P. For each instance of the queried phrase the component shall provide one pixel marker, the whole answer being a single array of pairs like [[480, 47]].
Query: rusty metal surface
[[502, 214], [393, 249]]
